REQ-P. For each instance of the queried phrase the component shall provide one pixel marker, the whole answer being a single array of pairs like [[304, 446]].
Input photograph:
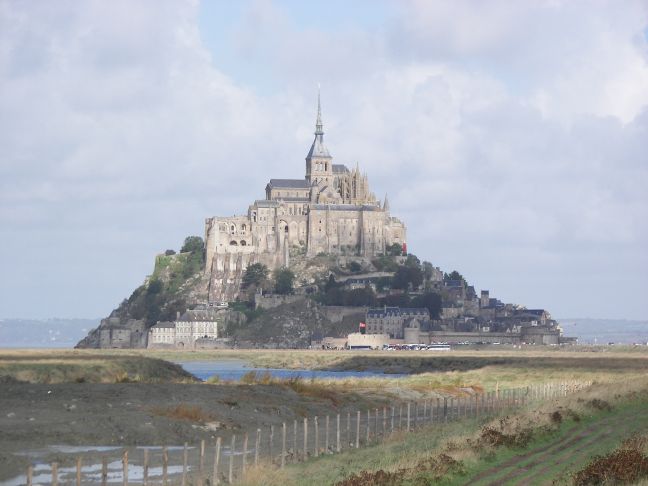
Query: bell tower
[[319, 163]]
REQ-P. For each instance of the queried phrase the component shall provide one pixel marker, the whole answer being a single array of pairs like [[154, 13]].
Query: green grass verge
[[552, 454]]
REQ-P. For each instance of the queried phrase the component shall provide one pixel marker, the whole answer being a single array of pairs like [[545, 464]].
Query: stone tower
[[319, 163]]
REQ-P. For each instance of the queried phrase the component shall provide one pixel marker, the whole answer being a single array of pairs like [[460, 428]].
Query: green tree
[[429, 300], [355, 267], [454, 275], [406, 276], [284, 281], [193, 244], [360, 297], [412, 261], [428, 270], [396, 300], [330, 283], [394, 250], [255, 275]]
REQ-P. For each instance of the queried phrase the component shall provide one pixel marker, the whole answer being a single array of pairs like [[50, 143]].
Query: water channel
[[233, 370]]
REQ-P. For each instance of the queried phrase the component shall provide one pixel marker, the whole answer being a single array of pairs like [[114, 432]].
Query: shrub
[[284, 281]]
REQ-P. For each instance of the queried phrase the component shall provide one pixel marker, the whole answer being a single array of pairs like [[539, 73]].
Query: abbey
[[330, 210]]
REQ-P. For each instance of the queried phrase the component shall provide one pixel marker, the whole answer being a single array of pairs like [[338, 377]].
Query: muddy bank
[[35, 416]]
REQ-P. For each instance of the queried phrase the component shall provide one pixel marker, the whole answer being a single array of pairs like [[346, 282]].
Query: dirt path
[[535, 466]]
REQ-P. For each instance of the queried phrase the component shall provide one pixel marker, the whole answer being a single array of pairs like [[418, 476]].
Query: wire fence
[[229, 458]]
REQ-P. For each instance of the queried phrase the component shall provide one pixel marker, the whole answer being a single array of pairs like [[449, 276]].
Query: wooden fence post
[[217, 451], [377, 415], [348, 430], [146, 467], [358, 430], [384, 423], [368, 425], [230, 476], [257, 446], [54, 474], [305, 438], [295, 450], [78, 471], [393, 413], [201, 465], [408, 416], [326, 437], [125, 465], [283, 444], [316, 425], [165, 466], [337, 434], [30, 472], [185, 460], [271, 441], [400, 417], [245, 451]]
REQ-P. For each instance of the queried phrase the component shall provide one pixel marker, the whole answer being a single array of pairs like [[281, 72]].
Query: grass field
[[71, 366], [529, 447], [544, 444]]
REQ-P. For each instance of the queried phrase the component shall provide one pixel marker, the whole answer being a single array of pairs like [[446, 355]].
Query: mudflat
[[35, 416]]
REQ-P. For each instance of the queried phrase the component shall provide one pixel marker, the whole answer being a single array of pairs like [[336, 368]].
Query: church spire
[[319, 126], [318, 149], [386, 204]]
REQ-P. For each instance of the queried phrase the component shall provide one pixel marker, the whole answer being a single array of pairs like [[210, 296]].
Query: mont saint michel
[[432, 270], [330, 210], [320, 261]]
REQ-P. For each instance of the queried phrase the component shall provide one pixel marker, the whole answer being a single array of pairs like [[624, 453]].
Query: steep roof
[[340, 169], [289, 184]]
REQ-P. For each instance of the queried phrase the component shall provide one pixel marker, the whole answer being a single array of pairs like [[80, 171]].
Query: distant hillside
[[43, 333], [603, 331]]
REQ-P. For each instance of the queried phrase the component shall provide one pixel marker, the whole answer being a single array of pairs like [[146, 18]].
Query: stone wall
[[270, 301]]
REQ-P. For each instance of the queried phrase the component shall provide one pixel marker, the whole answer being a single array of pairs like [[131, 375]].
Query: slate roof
[[340, 169], [318, 149], [397, 311], [164, 325], [454, 283], [195, 315], [266, 203], [289, 183], [345, 207]]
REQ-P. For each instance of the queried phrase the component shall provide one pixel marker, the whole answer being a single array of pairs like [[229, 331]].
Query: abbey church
[[330, 210]]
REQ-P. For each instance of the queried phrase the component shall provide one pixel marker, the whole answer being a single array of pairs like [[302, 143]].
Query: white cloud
[[511, 138]]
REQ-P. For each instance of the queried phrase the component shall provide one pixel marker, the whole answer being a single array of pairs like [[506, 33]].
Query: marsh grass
[[63, 366]]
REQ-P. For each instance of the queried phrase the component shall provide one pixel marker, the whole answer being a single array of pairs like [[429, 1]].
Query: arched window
[[233, 243], [243, 243], [244, 227], [233, 229]]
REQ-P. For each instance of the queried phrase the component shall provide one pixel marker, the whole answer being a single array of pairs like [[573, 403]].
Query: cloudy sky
[[512, 137]]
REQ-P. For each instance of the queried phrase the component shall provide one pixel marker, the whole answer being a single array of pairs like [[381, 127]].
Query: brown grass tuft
[[191, 413], [621, 466]]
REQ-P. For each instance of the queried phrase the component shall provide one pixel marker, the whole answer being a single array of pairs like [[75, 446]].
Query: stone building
[[191, 327], [391, 320], [330, 210]]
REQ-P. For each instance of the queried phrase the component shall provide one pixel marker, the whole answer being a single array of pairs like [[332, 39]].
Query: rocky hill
[[179, 283]]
